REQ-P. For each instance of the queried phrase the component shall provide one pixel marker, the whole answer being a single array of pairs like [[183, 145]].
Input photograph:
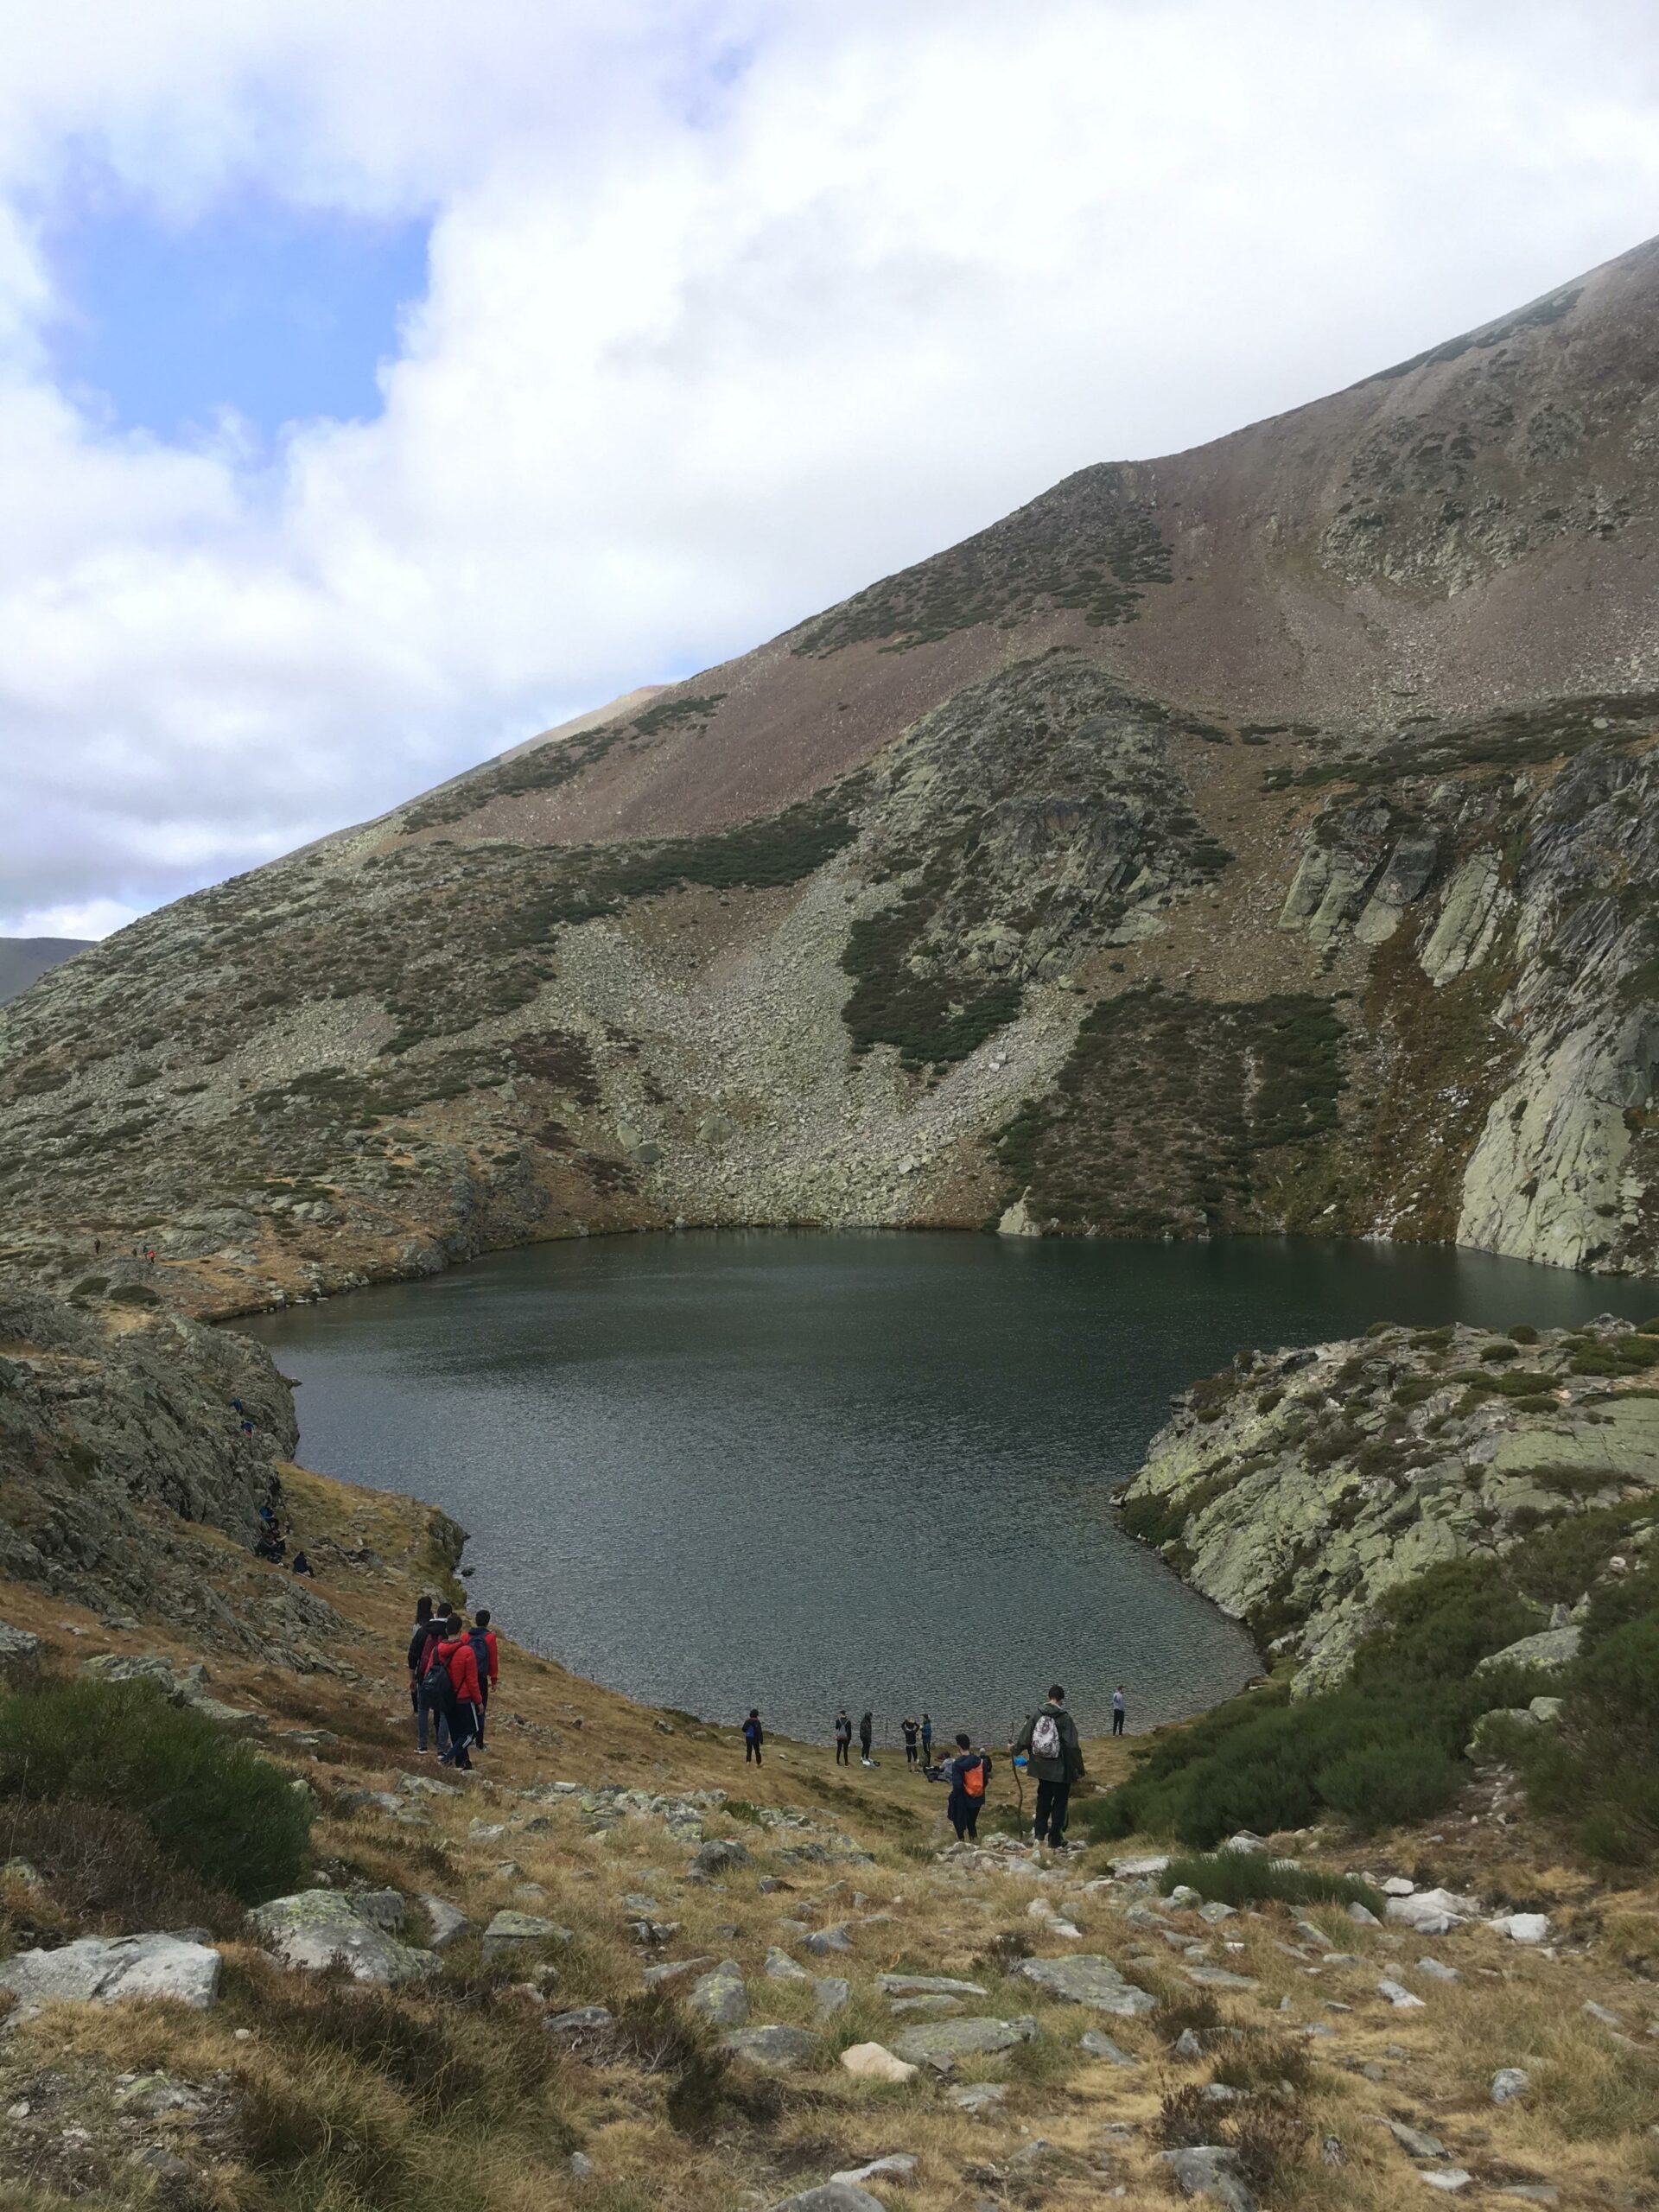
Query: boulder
[[446, 1922], [1432, 1912], [830, 1939], [781, 1968], [773, 2047], [1148, 1865], [720, 1856], [1550, 1647], [896, 2166], [719, 1995], [1090, 1979], [1415, 2141], [96, 1971], [1209, 2170], [386, 1908], [830, 2196], [579, 2021], [935, 1985], [317, 1928], [1220, 1978], [874, 2061], [977, 2096], [1099, 2044], [1521, 1927], [1399, 1996], [831, 1995], [1509, 2083], [941, 2043], [514, 1931]]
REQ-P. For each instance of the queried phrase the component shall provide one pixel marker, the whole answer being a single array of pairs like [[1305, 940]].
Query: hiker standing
[[865, 1736], [927, 1741], [844, 1737], [753, 1737], [417, 1643], [455, 1657], [1049, 1740], [1117, 1710], [482, 1640], [971, 1771], [909, 1730]]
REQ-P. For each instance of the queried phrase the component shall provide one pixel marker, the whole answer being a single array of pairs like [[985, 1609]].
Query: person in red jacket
[[458, 1660], [482, 1640]]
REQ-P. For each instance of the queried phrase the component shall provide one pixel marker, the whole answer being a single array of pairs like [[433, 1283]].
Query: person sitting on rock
[[302, 1566]]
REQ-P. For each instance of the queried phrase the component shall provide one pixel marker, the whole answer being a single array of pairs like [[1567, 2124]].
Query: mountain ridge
[[1249, 840]]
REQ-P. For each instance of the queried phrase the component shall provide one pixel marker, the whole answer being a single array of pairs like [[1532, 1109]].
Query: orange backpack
[[972, 1781]]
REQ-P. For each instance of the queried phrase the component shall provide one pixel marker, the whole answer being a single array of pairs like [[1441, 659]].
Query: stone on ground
[[1509, 2083], [831, 2196], [1099, 2044], [1209, 2170], [874, 2061], [929, 1985], [977, 2096], [1521, 1927], [719, 1995], [314, 1930], [897, 2165], [781, 1968], [513, 1931], [1432, 1912], [831, 1995], [941, 2043], [721, 1855], [95, 1971], [444, 1921], [1089, 1979], [1399, 1996], [771, 2046]]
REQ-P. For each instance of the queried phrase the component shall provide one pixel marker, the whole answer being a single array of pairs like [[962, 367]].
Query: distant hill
[[1264, 838], [25, 958]]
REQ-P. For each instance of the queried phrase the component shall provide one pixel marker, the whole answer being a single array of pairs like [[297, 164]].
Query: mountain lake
[[800, 1468]]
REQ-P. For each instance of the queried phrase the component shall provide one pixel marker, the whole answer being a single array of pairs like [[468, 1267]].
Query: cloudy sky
[[381, 383]]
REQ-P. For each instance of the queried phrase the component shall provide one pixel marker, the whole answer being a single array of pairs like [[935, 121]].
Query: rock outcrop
[[1295, 1489]]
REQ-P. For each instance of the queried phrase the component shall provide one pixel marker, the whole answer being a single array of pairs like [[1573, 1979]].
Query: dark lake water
[[791, 1468]]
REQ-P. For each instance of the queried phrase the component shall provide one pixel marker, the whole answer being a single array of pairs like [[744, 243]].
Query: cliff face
[[1257, 839], [1296, 1488]]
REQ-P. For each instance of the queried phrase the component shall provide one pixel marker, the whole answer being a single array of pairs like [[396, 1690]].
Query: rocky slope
[[1296, 1488], [1261, 838]]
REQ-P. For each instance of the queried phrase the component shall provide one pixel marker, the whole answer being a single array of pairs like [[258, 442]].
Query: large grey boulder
[[1551, 1647], [719, 1995], [98, 1972], [1209, 2170], [1092, 1979], [516, 1931], [317, 1928], [720, 1856], [1432, 1912], [941, 2043], [775, 2047]]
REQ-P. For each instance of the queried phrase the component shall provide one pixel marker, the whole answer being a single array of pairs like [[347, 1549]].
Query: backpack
[[973, 1779], [1046, 1737]]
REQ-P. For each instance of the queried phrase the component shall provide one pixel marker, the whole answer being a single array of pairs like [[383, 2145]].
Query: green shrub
[[1240, 1877], [1523, 1333], [1380, 1783], [1502, 1349], [212, 1804], [1431, 1631]]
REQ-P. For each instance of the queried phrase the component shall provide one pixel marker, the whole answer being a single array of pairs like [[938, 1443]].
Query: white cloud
[[731, 309]]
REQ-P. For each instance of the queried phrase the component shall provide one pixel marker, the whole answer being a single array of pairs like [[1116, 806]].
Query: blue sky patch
[[282, 315]]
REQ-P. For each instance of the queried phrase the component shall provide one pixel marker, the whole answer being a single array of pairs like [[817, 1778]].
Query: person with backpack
[[423, 1643], [927, 1741], [454, 1659], [1054, 1757], [1117, 1710], [866, 1736], [753, 1737], [969, 1771], [844, 1737], [482, 1640], [908, 1730]]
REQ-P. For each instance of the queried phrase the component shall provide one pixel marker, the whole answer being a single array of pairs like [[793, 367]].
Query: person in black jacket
[[1054, 1757], [753, 1737], [844, 1737], [416, 1646], [866, 1733]]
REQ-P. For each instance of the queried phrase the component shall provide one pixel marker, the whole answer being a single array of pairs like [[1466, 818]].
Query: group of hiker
[[452, 1671]]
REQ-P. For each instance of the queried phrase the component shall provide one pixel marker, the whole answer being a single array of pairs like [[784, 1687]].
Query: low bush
[[104, 1869], [212, 1806], [1241, 1878]]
